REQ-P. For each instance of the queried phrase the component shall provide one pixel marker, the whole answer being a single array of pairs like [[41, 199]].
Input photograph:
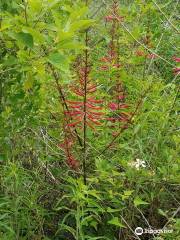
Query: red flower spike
[[152, 56], [73, 124], [114, 134], [121, 97], [105, 59], [113, 106], [117, 65], [74, 102], [123, 119], [90, 125], [72, 162], [104, 68], [78, 92], [140, 53], [111, 119], [176, 70], [122, 106], [111, 18], [125, 126], [176, 59], [92, 100], [96, 113]]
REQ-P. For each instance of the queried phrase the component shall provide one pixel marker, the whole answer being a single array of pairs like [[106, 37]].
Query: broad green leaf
[[37, 36], [4, 27], [62, 35], [70, 45], [35, 5], [77, 14], [11, 60], [115, 221], [138, 201], [25, 38], [81, 24], [59, 61], [2, 157]]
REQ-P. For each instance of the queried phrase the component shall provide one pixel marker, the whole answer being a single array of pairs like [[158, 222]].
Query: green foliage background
[[40, 197]]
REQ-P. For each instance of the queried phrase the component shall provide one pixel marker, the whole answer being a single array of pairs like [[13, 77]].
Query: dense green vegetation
[[89, 119]]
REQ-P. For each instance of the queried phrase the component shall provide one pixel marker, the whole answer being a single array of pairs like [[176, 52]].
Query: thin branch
[[62, 98], [144, 46], [123, 128], [165, 16], [25, 12]]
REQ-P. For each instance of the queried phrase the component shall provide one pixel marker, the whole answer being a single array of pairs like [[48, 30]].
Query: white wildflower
[[138, 164]]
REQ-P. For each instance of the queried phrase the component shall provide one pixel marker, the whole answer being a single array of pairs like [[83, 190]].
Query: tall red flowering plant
[[83, 110], [117, 105]]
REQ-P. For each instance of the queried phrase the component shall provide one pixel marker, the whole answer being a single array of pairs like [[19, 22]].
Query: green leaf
[[35, 5], [127, 194], [161, 212], [36, 34], [28, 84], [25, 38], [78, 13], [111, 210], [59, 61], [81, 24], [2, 157], [4, 27], [70, 45], [138, 201], [94, 193], [94, 224], [69, 229], [11, 60], [63, 36], [115, 221]]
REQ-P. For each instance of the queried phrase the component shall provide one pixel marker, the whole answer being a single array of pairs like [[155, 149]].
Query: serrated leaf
[[115, 221], [138, 201]]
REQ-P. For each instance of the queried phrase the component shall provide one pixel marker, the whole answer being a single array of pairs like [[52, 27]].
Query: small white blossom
[[138, 164]]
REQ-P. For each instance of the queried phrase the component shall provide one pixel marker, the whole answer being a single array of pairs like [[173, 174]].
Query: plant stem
[[25, 12], [63, 100], [85, 100]]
